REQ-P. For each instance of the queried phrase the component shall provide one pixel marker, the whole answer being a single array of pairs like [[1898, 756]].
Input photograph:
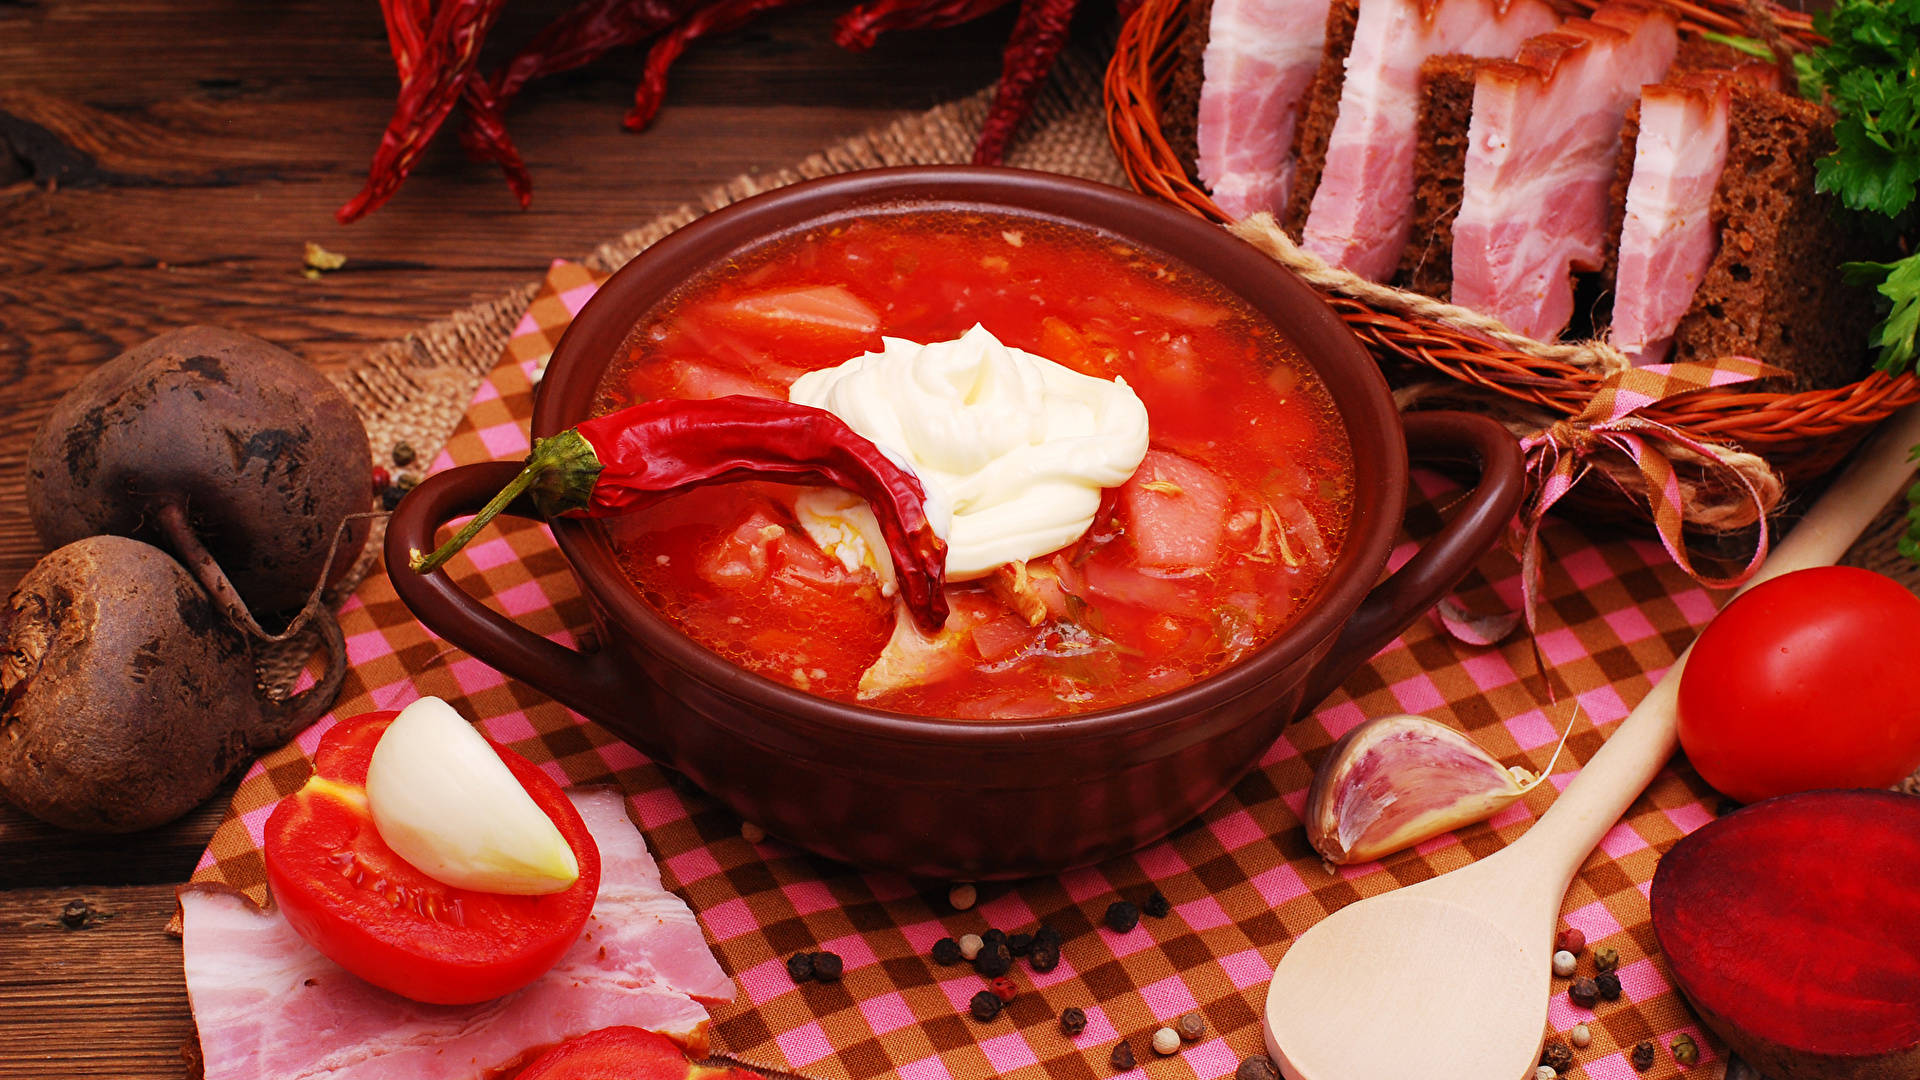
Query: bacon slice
[[1362, 212], [1260, 56], [1668, 238], [1541, 153], [268, 1006]]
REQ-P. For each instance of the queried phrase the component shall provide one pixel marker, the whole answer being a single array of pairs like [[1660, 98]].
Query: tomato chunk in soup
[[1222, 535]]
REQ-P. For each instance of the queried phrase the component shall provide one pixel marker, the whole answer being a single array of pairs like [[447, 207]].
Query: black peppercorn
[[1584, 992], [1073, 1021], [391, 496], [827, 966], [1020, 944], [1122, 1057], [1643, 1055], [1157, 905], [993, 960], [1558, 1057], [800, 967], [946, 952], [1608, 984], [1122, 916], [403, 454], [75, 914], [988, 937], [1257, 1067], [1044, 957], [985, 1005], [1048, 934]]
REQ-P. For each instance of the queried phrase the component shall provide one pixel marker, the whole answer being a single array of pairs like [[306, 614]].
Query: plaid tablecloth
[[1242, 879]]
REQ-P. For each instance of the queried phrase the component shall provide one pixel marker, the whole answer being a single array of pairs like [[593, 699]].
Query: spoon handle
[[1643, 742]]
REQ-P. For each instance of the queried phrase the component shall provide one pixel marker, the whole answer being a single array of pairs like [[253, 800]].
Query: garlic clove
[[1397, 780], [445, 802]]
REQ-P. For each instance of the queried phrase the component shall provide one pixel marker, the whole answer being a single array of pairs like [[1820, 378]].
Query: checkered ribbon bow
[[1560, 456]]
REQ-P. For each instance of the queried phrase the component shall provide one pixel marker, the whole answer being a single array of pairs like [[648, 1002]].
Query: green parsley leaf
[[1899, 283], [1870, 74]]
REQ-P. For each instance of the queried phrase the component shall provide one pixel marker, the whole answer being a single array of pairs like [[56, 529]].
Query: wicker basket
[[1802, 435]]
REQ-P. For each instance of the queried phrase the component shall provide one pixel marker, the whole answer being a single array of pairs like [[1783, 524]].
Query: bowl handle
[[588, 683], [1426, 579]]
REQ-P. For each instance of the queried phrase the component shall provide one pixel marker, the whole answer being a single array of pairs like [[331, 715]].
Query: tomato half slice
[[623, 1053], [366, 909]]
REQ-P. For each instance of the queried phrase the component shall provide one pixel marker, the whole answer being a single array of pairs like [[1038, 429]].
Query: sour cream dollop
[[1012, 448]]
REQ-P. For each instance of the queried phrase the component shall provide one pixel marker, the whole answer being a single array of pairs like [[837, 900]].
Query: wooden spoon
[[1449, 979]]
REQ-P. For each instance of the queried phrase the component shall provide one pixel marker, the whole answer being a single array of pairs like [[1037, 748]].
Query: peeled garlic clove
[[1395, 781], [446, 803]]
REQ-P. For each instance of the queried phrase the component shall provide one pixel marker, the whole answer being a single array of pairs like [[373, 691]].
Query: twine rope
[[1707, 503], [1263, 232]]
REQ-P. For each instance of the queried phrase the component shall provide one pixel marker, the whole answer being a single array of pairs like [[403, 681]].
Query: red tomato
[[623, 1053], [366, 909], [1811, 680]]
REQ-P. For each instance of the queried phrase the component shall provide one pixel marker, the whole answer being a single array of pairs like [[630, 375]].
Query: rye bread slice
[[1318, 110], [1180, 109], [1773, 290], [1439, 164]]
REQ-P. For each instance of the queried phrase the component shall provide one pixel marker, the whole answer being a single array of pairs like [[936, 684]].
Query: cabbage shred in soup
[[1228, 527]]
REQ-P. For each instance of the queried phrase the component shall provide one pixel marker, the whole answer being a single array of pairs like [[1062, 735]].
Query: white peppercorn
[[1544, 1072], [970, 946], [963, 897], [1565, 964], [1581, 1036], [751, 833], [1166, 1041]]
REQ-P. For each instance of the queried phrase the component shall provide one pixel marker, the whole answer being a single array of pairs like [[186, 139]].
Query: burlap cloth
[[1241, 879]]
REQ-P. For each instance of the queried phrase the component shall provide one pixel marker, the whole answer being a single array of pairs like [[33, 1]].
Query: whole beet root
[[125, 697], [227, 450]]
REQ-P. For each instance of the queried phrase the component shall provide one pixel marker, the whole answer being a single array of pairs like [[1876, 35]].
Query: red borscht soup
[[1228, 527]]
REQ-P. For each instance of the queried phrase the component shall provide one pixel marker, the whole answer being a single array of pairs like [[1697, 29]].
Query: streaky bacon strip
[[268, 1006], [1260, 57], [1362, 212], [1541, 152], [1668, 238]]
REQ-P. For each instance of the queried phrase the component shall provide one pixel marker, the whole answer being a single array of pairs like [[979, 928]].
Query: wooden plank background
[[162, 162]]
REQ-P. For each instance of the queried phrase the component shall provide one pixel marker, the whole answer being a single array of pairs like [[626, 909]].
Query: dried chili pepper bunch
[[436, 50]]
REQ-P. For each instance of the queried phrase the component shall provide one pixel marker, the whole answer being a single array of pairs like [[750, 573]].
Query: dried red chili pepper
[[858, 29], [714, 18], [1038, 36], [485, 138], [632, 458], [437, 75], [582, 35]]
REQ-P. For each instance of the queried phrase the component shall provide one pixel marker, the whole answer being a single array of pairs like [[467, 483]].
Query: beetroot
[[223, 448], [125, 698], [1793, 927]]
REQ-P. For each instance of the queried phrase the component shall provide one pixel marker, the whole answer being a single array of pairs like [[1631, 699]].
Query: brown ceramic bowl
[[947, 799]]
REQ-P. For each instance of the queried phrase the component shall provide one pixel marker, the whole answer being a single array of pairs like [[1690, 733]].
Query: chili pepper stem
[[559, 474]]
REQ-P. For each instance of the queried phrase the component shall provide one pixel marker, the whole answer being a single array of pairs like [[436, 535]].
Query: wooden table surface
[[162, 162]]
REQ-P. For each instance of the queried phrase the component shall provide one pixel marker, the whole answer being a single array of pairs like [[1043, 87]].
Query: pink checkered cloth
[[1242, 879]]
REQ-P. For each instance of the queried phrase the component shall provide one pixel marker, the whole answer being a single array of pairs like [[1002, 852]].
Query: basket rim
[[1144, 59]]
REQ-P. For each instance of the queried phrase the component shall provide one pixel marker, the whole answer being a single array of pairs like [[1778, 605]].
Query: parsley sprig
[[1870, 74]]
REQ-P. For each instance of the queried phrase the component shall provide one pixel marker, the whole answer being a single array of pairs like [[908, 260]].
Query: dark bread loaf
[[1773, 290], [1696, 57], [1318, 110], [1180, 110], [1439, 166]]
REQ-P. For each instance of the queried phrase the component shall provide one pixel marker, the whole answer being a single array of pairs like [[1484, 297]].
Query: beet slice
[[1793, 927]]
